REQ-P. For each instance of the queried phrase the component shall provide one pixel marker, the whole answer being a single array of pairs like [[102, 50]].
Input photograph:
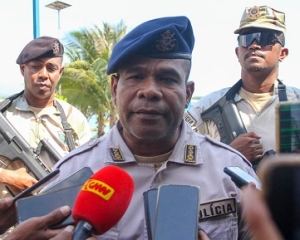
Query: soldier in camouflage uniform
[[261, 47]]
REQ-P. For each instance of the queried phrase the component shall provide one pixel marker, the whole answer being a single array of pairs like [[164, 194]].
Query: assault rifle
[[13, 147], [225, 115]]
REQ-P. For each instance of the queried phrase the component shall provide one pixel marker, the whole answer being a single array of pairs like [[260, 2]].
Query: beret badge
[[254, 13], [55, 47], [167, 42]]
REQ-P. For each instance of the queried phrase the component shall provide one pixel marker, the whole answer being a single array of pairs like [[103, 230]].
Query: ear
[[237, 52], [113, 87], [22, 69], [61, 70], [190, 87], [284, 52]]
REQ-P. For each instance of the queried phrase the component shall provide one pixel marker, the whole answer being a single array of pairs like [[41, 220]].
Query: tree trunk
[[100, 124], [113, 116]]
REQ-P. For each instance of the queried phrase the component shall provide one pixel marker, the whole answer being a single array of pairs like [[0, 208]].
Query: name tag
[[217, 208], [188, 118]]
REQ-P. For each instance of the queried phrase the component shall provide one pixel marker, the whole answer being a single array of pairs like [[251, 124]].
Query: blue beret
[[168, 38], [41, 47]]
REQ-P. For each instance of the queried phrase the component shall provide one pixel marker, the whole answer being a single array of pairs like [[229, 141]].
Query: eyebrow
[[131, 69], [165, 70], [169, 71]]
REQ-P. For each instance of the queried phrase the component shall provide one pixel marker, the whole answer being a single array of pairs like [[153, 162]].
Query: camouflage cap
[[262, 17]]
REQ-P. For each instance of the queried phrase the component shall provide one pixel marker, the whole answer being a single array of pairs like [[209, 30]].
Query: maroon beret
[[39, 48]]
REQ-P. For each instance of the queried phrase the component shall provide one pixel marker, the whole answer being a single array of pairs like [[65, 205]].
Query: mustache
[[256, 53], [148, 107], [40, 80], [41, 83]]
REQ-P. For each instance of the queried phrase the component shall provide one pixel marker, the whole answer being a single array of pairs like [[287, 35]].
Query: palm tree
[[84, 82]]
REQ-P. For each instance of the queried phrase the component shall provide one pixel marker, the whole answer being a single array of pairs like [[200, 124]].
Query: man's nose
[[43, 72], [150, 89]]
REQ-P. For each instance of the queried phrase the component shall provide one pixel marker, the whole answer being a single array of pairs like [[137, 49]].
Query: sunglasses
[[262, 38]]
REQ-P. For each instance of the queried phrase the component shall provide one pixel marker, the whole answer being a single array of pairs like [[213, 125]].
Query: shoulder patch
[[93, 142], [190, 119]]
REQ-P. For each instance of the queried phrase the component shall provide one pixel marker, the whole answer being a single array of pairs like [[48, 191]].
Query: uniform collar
[[187, 144], [22, 105]]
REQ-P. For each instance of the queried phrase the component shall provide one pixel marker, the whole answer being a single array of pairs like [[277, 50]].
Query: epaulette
[[216, 142], [83, 148]]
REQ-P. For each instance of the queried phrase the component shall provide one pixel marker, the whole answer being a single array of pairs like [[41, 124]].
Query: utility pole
[[36, 18]]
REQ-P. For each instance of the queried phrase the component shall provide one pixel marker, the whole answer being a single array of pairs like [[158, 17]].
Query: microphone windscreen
[[104, 198]]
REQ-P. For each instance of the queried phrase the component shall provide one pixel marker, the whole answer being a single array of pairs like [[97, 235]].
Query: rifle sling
[[236, 87], [233, 90], [229, 96], [281, 92], [67, 128], [5, 104]]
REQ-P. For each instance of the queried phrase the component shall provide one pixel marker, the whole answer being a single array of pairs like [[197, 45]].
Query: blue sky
[[214, 62]]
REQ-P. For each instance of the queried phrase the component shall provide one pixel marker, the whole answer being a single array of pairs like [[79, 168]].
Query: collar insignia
[[167, 42], [117, 154], [190, 154]]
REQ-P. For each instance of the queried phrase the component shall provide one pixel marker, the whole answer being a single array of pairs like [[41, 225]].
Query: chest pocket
[[224, 227], [219, 218]]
